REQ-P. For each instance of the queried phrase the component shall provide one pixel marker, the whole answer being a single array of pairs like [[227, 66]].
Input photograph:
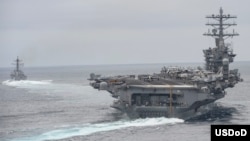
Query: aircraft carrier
[[177, 91]]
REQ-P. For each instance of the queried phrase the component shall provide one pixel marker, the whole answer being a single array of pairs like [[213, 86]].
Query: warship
[[18, 74], [177, 91]]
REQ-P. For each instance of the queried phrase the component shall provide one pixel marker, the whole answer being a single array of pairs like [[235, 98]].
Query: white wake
[[26, 83], [88, 129], [47, 86]]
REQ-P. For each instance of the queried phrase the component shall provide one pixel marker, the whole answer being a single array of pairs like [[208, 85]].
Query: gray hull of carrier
[[176, 91]]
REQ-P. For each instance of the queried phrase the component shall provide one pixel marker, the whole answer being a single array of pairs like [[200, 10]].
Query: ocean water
[[57, 103]]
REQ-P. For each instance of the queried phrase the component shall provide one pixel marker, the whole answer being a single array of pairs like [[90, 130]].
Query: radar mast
[[218, 58], [220, 26]]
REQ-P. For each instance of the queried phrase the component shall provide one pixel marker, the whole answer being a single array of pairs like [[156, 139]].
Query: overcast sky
[[90, 32]]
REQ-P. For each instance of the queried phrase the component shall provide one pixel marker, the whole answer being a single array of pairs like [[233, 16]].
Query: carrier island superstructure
[[17, 73], [177, 91]]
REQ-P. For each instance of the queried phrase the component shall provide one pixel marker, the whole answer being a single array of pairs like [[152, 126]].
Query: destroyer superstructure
[[18, 74], [177, 91]]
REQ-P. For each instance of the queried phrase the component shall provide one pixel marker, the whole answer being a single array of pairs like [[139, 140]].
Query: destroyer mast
[[18, 74]]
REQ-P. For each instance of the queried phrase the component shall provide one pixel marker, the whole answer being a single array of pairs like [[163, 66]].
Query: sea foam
[[26, 83], [88, 129]]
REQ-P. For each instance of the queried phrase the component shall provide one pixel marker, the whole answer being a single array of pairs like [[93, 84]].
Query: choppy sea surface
[[57, 103]]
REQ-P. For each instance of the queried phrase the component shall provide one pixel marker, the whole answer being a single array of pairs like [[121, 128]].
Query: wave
[[88, 129], [216, 113]]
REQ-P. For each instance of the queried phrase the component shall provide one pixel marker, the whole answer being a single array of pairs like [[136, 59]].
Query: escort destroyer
[[17, 73]]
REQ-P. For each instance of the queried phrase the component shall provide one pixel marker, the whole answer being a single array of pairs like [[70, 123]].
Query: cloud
[[62, 32]]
